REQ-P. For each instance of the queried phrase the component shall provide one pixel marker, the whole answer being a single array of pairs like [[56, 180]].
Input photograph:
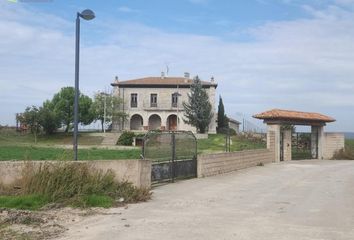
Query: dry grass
[[347, 153], [76, 184], [344, 154]]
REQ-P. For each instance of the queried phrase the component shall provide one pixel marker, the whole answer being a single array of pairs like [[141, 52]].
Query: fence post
[[173, 139]]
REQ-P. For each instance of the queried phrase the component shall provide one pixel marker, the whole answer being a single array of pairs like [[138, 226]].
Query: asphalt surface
[[299, 200]]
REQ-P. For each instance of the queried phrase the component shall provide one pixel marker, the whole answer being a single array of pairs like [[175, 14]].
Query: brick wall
[[332, 143], [219, 163]]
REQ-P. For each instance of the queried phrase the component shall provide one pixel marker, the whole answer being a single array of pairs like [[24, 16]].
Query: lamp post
[[87, 15]]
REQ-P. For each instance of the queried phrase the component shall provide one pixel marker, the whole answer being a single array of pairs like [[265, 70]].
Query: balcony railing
[[147, 105]]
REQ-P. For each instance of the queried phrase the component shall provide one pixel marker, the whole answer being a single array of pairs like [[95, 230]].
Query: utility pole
[[104, 111]]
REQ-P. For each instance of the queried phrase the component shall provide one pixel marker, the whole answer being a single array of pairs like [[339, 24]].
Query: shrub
[[76, 184], [126, 138], [344, 154]]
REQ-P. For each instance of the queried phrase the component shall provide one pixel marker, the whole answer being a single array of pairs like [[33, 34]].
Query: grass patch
[[11, 137], [349, 144], [94, 201], [216, 143], [29, 202], [69, 183], [51, 153]]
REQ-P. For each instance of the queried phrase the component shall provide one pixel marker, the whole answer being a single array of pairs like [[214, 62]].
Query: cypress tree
[[198, 110], [222, 118]]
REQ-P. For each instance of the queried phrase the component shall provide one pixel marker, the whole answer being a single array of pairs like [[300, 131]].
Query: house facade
[[155, 103]]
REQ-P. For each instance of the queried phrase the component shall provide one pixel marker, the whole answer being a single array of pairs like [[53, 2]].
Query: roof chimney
[[162, 75], [186, 75], [116, 79], [212, 79]]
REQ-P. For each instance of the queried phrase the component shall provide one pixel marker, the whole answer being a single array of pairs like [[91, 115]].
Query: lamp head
[[87, 14]]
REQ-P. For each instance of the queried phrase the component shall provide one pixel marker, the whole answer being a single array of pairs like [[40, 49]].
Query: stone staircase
[[110, 139]]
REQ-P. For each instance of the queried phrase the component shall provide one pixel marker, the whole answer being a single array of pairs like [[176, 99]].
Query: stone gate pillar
[[287, 145], [317, 141], [275, 128]]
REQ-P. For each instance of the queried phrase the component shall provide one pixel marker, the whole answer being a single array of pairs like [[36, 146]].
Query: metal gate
[[173, 155], [302, 146], [281, 146]]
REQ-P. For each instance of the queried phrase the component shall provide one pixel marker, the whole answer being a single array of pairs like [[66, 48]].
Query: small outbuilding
[[234, 124]]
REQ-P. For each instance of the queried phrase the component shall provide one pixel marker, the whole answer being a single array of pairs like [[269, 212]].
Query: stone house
[[234, 124], [155, 103]]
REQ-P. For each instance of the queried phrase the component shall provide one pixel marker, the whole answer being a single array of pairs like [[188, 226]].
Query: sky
[[264, 54]]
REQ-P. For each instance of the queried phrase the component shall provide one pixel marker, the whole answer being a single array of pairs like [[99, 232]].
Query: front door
[[172, 123]]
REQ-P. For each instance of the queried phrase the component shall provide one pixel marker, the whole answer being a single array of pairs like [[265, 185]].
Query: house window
[[153, 100], [134, 100], [174, 99]]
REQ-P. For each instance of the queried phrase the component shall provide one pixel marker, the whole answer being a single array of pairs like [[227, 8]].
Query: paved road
[[299, 200]]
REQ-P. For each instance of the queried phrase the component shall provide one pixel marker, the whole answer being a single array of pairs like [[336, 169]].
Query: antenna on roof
[[167, 68]]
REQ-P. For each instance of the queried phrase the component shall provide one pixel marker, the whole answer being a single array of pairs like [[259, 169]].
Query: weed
[[344, 154], [70, 183]]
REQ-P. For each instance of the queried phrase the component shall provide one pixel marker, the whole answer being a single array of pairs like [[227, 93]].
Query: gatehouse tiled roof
[[279, 114]]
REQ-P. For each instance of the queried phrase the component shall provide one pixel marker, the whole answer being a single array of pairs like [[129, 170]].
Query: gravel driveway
[[296, 200]]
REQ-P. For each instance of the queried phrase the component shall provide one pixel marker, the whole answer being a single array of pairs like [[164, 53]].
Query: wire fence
[[250, 127]]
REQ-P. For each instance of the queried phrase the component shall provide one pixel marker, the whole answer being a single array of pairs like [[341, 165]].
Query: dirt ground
[[45, 224], [294, 200]]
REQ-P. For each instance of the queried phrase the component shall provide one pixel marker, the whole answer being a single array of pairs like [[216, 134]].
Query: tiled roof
[[279, 114], [161, 81]]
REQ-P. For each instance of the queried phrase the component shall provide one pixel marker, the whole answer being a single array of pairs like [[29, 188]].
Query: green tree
[[63, 105], [222, 120], [31, 118], [105, 107], [48, 118], [198, 110]]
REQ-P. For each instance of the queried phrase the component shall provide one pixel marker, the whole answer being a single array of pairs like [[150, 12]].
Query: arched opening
[[154, 122], [172, 122], [136, 122]]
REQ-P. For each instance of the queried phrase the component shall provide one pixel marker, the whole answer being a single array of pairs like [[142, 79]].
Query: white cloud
[[127, 9], [303, 64]]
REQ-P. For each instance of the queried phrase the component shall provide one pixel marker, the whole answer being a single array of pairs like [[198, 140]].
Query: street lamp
[[87, 15]]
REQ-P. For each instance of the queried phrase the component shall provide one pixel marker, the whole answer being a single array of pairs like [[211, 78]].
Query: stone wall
[[219, 163], [137, 172], [214, 164], [332, 143]]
